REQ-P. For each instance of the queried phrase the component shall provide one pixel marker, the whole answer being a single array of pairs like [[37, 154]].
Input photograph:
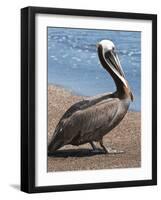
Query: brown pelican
[[89, 120]]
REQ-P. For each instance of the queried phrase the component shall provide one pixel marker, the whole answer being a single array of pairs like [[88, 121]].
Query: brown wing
[[82, 119], [81, 105], [93, 122]]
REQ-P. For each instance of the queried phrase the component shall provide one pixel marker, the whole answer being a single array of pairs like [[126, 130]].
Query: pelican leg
[[102, 145], [93, 146], [95, 149], [109, 150]]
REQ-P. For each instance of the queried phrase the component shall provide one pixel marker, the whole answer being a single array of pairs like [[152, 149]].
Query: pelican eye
[[113, 48]]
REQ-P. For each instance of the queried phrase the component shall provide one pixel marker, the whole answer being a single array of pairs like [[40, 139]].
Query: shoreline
[[78, 94], [126, 136]]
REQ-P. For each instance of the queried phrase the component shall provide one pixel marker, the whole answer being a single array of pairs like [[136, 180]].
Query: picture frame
[[29, 89]]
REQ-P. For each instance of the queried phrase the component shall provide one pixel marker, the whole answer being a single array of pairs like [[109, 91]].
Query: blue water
[[73, 61]]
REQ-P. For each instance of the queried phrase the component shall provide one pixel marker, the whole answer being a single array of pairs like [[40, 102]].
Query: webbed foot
[[109, 150]]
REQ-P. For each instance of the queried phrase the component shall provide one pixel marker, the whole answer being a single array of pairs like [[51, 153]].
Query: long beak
[[112, 59]]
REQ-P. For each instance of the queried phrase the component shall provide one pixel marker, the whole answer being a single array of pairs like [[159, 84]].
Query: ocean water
[[74, 64]]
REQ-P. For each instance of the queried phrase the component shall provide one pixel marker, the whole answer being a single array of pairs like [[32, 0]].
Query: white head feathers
[[107, 45]]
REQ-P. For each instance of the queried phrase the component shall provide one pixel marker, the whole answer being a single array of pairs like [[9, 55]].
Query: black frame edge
[[154, 99], [93, 186], [92, 13], [24, 100], [27, 100]]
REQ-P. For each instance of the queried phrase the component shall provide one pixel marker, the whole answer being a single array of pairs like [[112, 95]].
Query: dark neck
[[118, 82]]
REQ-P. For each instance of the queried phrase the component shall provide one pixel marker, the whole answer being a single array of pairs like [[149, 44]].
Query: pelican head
[[110, 56], [107, 45], [111, 60]]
